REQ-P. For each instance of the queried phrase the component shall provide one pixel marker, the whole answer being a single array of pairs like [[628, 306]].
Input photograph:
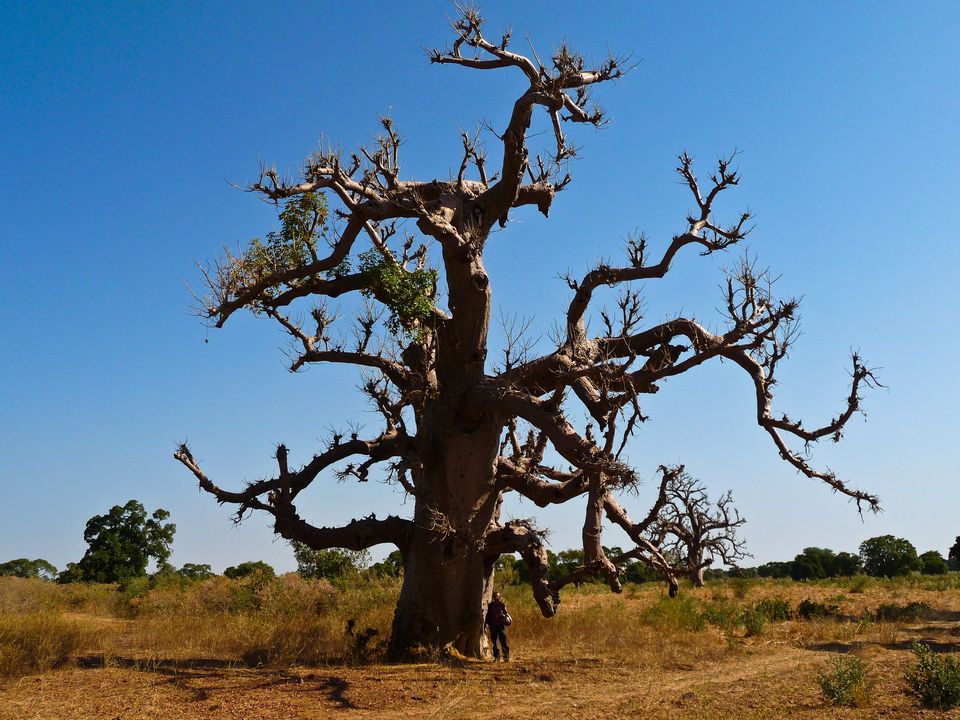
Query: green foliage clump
[[295, 245], [334, 564], [808, 609], [816, 563], [844, 682], [859, 584], [24, 568], [934, 681], [775, 570], [889, 612], [195, 571], [753, 620], [409, 294], [390, 567], [121, 544], [722, 615], [742, 586], [888, 556], [774, 609], [680, 613], [933, 563], [248, 569], [302, 220], [953, 555]]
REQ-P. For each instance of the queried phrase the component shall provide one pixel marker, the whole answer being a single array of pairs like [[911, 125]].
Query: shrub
[[774, 609], [859, 583], [251, 567], [933, 563], [892, 612], [935, 679], [844, 682], [742, 586], [676, 614], [724, 616], [812, 609], [753, 620]]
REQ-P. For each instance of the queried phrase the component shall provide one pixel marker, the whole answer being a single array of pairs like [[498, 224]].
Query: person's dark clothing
[[496, 621]]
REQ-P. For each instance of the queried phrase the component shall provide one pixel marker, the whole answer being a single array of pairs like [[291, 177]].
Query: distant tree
[[694, 529], [846, 565], [507, 570], [121, 545], [24, 568], [806, 567], [332, 564], [954, 555], [888, 556], [390, 566], [776, 570], [192, 571], [249, 568], [932, 563]]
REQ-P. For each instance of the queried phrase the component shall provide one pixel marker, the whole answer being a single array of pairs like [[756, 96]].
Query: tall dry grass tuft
[[38, 641], [641, 627]]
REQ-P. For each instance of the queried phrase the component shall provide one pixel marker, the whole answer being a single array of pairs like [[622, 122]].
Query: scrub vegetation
[[737, 648]]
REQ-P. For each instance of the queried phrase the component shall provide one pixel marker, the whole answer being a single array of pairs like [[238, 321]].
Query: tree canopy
[[888, 556], [121, 544], [24, 568], [250, 568], [332, 564]]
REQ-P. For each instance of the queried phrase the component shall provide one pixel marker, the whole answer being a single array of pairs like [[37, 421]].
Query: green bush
[[679, 613], [844, 682], [742, 586], [859, 583], [808, 609], [935, 679], [774, 609], [889, 612], [753, 621]]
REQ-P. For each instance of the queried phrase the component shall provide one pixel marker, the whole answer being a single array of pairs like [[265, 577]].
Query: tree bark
[[696, 577], [447, 582]]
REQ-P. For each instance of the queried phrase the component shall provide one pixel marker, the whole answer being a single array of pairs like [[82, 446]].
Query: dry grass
[[37, 642], [223, 648]]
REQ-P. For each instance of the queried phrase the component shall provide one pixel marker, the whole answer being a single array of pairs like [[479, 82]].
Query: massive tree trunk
[[447, 582]]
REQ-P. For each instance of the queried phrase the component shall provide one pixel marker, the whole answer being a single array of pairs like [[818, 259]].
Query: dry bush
[[291, 621], [36, 642], [642, 627], [283, 621], [20, 596]]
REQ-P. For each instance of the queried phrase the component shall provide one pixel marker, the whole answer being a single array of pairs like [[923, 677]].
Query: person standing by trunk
[[497, 620]]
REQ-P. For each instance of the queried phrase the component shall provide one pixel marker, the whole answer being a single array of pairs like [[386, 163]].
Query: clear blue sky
[[122, 123]]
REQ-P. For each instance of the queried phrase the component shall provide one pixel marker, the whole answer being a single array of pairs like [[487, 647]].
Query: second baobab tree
[[695, 532], [406, 258]]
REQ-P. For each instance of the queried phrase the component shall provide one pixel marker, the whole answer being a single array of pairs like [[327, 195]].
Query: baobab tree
[[694, 531], [457, 434]]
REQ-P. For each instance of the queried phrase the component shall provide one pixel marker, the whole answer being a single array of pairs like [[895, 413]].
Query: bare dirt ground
[[770, 676]]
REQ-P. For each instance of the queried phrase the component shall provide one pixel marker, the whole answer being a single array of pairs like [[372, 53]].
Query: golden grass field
[[279, 649]]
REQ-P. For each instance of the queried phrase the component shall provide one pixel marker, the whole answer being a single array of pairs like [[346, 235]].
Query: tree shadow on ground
[[847, 647], [182, 671]]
